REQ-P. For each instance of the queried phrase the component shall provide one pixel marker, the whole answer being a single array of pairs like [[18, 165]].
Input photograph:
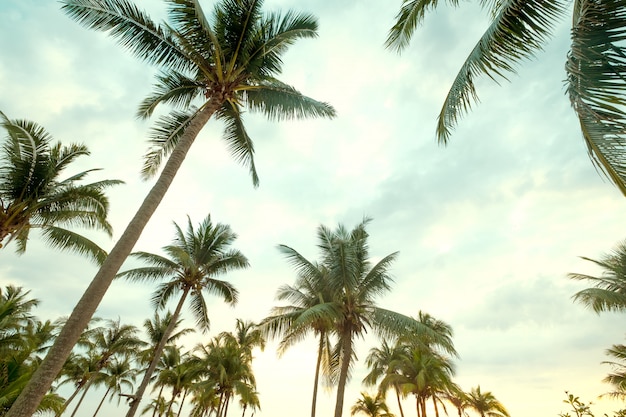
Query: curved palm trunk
[[398, 399], [42, 379], [320, 351], [180, 409], [134, 404], [69, 400], [158, 397], [435, 404], [343, 375], [102, 402]]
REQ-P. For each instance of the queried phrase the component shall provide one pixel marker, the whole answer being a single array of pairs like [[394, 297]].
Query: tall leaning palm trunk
[[227, 65], [42, 379]]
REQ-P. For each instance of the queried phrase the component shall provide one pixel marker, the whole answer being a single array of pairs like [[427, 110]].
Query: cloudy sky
[[487, 228]]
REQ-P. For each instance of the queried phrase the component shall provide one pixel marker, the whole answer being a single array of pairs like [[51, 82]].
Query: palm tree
[[383, 363], [118, 374], [155, 329], [371, 406], [354, 284], [617, 378], [33, 196], [225, 62], [595, 65], [609, 290], [194, 258], [310, 291], [485, 403]]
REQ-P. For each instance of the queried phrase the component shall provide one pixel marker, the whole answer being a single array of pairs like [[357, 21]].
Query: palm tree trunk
[[435, 404], [82, 397], [102, 402], [42, 379], [320, 351], [158, 397], [423, 404], [134, 404], [68, 401], [346, 356], [399, 402], [417, 406], [181, 403]]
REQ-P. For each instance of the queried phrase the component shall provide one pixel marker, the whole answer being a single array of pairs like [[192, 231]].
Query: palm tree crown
[[33, 196], [595, 65]]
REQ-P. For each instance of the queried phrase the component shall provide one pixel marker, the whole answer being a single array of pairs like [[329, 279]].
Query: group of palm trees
[[217, 65], [112, 355]]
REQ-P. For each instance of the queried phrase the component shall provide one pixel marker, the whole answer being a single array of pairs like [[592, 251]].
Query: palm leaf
[[65, 239], [596, 83], [518, 31]]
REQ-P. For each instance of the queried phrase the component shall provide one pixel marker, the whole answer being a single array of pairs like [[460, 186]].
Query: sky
[[487, 228]]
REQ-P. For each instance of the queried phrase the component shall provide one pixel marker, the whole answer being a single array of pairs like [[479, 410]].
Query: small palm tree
[[485, 403], [211, 67], [33, 196], [595, 65], [195, 257], [117, 376], [309, 292], [371, 406]]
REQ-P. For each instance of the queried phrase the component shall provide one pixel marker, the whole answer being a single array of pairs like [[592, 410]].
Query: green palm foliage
[[118, 375], [371, 406], [32, 194], [210, 66], [310, 290], [23, 339], [609, 289], [485, 403], [595, 65], [617, 378], [193, 260], [353, 284]]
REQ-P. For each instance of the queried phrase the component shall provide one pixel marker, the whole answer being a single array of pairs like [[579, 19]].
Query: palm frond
[[132, 28], [163, 139], [596, 84], [65, 239], [519, 30], [171, 87], [239, 142]]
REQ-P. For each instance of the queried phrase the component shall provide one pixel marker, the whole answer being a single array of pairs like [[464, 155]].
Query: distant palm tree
[[595, 66], [155, 329], [33, 196], [371, 406], [310, 291], [609, 289], [617, 378], [224, 63], [485, 404], [354, 284], [117, 375], [384, 365], [195, 257]]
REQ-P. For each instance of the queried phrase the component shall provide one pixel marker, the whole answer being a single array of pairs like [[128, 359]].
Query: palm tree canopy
[[32, 194], [609, 289], [195, 258], [485, 403], [230, 58], [518, 29]]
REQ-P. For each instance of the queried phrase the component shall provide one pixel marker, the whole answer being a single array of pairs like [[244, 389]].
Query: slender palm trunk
[[102, 402], [320, 351], [180, 409], [134, 404], [42, 379], [435, 404], [158, 397], [423, 404], [399, 402], [417, 406], [346, 357], [82, 397], [69, 400]]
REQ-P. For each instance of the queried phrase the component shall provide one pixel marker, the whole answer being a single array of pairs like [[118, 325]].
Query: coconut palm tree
[[155, 329], [485, 403], [310, 290], [118, 375], [193, 259], [371, 406], [33, 196], [595, 65], [354, 285], [223, 62], [609, 289], [383, 363]]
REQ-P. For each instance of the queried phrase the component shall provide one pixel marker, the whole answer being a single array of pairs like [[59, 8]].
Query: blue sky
[[487, 227]]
